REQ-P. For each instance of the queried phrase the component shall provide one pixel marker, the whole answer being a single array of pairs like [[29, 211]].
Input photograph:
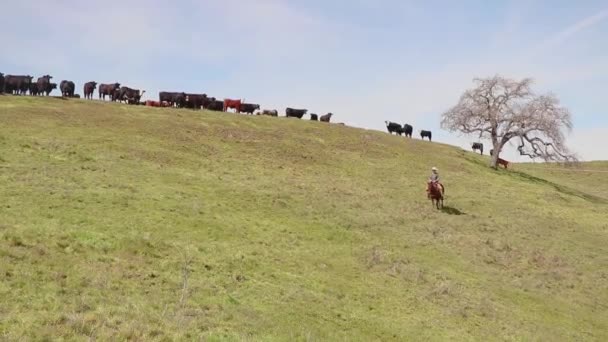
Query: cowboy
[[433, 179]]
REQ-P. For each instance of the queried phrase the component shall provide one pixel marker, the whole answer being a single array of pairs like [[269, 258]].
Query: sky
[[366, 61]]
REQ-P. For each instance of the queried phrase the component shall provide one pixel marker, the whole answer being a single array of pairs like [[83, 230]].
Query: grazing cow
[[426, 134], [109, 90], [67, 88], [1, 83], [295, 113], [235, 104], [393, 127], [270, 112], [503, 162], [249, 108], [326, 117], [314, 117], [18, 85], [216, 105], [130, 95], [89, 89], [477, 146], [34, 91], [44, 83], [407, 130]]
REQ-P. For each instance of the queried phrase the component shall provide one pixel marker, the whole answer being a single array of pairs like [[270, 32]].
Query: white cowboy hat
[[434, 168]]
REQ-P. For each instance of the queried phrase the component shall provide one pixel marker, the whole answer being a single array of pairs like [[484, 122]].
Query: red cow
[[236, 104], [503, 162], [151, 103]]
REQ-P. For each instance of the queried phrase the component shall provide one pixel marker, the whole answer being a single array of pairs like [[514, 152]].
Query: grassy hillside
[[589, 177], [121, 222]]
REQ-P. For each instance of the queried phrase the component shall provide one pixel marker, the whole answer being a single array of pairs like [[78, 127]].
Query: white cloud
[[567, 33]]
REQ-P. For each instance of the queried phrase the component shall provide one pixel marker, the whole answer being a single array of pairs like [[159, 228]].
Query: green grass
[[121, 222], [590, 177]]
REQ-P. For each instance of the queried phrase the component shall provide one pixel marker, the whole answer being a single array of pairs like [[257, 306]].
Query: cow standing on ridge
[[18, 85], [67, 88], [426, 134], [393, 127], [130, 95], [174, 99], [326, 117], [477, 146], [34, 91], [108, 89], [44, 84], [407, 130], [89, 89], [295, 113], [216, 105], [235, 104], [249, 108]]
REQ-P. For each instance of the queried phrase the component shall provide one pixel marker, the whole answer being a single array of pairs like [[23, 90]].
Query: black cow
[[89, 89], [67, 88], [270, 112], [426, 134], [44, 84], [18, 85], [108, 89], [1, 83], [249, 108], [130, 95], [478, 146], [408, 129], [174, 99], [393, 127], [34, 91], [326, 117], [314, 117], [295, 113], [216, 105], [196, 101], [50, 88]]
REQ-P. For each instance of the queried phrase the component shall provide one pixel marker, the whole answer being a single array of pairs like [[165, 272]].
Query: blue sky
[[366, 61]]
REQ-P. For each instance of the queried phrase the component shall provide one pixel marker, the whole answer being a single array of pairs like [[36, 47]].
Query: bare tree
[[502, 109]]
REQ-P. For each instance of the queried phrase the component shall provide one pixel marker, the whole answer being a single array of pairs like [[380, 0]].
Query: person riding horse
[[433, 181]]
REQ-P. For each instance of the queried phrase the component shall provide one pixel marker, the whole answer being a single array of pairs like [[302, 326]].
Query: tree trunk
[[494, 159], [497, 149]]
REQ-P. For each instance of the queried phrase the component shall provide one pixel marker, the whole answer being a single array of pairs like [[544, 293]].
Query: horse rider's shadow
[[452, 211]]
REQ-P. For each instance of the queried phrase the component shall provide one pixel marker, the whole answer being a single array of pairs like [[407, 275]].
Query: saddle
[[434, 183]]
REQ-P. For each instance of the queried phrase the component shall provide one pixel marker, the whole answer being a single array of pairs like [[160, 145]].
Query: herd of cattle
[[21, 85]]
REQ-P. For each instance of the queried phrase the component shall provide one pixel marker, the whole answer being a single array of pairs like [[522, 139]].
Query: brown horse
[[435, 193]]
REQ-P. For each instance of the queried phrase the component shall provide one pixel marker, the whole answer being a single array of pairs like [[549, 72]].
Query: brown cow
[[235, 104], [503, 162]]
